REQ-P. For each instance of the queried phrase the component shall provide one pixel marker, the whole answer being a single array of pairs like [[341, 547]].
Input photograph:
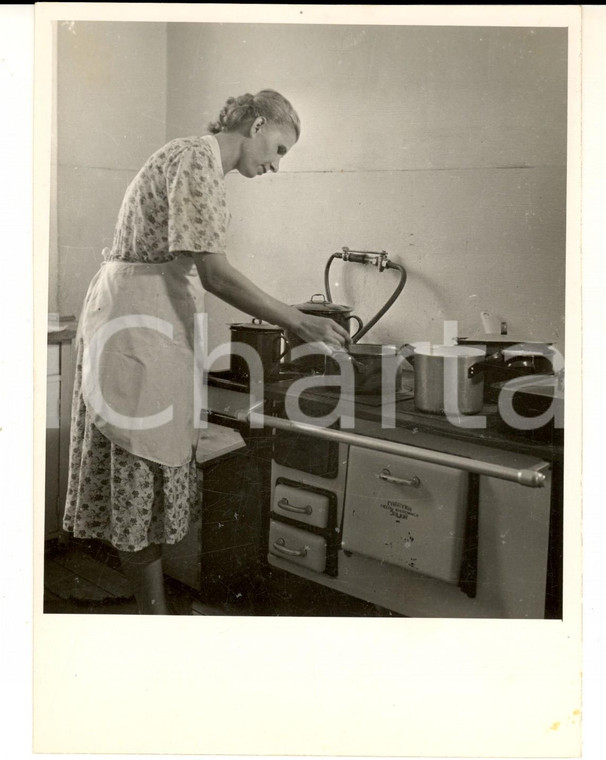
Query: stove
[[398, 527]]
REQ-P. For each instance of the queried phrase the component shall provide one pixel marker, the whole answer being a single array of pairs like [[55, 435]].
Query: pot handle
[[277, 352], [286, 350], [479, 367]]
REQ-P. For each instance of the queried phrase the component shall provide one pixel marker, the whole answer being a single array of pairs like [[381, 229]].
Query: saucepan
[[447, 378], [372, 363]]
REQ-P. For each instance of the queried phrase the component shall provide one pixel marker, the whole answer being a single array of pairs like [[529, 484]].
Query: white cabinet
[[59, 387]]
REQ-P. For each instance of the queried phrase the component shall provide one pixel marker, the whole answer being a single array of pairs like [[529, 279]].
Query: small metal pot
[[372, 364], [265, 339], [445, 378], [320, 307]]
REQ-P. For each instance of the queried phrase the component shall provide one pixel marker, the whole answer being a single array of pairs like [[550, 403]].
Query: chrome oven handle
[[386, 475], [281, 549], [532, 477], [288, 507]]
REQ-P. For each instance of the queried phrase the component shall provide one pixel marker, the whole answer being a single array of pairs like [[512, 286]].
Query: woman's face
[[265, 146]]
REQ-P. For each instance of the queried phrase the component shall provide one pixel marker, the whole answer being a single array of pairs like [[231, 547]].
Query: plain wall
[[111, 111], [444, 146], [53, 253]]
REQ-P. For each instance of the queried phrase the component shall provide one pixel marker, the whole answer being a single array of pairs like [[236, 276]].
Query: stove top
[[366, 399], [233, 381]]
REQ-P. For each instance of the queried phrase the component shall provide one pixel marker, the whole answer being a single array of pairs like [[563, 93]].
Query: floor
[[83, 577]]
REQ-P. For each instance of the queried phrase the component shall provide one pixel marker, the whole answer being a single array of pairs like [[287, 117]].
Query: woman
[[133, 479]]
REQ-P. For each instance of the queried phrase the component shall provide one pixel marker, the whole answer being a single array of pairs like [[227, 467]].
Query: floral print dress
[[175, 205]]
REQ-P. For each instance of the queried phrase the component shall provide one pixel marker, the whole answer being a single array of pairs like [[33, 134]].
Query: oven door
[[406, 512]]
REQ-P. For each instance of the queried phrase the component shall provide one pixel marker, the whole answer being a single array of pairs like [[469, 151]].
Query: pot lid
[[504, 340], [319, 304], [255, 325]]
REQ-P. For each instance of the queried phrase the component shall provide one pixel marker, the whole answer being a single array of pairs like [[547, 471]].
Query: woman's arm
[[223, 280]]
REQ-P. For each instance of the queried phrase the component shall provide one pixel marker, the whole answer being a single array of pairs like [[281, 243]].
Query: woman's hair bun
[[234, 112], [267, 103]]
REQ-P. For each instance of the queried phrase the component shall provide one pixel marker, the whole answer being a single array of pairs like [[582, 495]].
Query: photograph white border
[[520, 677]]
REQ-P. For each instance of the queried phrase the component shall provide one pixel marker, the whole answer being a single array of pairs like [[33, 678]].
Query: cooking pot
[[265, 339], [319, 306], [370, 362], [447, 378], [512, 362]]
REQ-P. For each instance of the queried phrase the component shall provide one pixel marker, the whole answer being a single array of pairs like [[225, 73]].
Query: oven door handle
[[386, 475], [532, 477]]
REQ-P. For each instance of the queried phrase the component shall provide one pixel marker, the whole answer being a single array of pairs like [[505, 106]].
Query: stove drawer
[[406, 512], [306, 454], [302, 505], [298, 546]]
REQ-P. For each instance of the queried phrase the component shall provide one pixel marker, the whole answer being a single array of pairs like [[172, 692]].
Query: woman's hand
[[313, 329]]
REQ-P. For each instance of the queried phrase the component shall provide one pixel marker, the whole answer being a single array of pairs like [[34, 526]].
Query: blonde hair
[[266, 103]]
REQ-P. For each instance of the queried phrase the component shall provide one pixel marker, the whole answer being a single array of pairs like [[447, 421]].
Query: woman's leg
[[144, 571]]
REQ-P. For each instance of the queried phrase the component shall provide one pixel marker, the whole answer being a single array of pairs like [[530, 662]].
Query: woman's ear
[[256, 125]]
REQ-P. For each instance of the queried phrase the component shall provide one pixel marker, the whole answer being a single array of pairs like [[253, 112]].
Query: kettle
[[319, 306]]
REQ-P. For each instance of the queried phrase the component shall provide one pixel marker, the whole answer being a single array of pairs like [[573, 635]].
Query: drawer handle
[[288, 507], [282, 549], [386, 475]]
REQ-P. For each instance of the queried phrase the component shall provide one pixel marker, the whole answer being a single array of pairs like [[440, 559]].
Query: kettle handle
[[360, 325]]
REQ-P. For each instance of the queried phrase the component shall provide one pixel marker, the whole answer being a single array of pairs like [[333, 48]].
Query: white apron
[[137, 328]]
